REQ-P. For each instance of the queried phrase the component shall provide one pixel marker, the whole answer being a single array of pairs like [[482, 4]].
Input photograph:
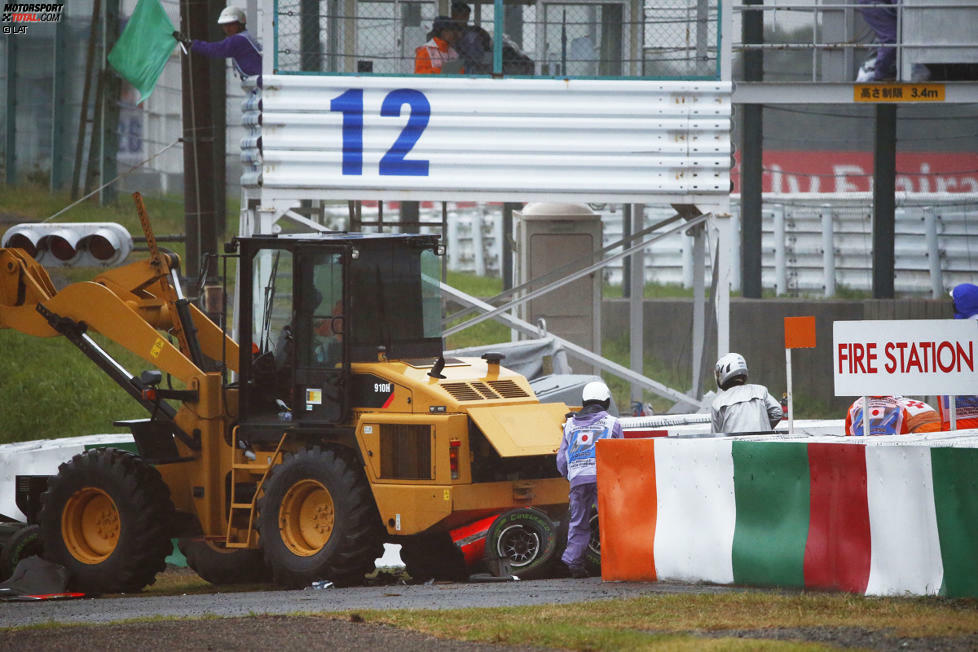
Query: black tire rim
[[519, 544]]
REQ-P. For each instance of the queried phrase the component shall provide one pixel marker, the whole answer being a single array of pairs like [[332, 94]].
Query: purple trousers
[[582, 498], [883, 20]]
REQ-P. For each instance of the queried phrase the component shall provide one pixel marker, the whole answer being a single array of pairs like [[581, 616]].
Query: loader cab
[[311, 305]]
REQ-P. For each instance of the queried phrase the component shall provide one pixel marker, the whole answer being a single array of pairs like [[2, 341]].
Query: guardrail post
[[780, 273], [735, 252], [478, 253], [828, 249], [933, 253], [452, 243], [688, 261]]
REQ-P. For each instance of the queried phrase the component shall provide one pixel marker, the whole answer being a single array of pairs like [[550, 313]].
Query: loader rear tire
[[219, 565], [317, 520], [107, 517], [25, 542]]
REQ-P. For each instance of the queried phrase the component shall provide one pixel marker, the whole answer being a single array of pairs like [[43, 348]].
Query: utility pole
[[884, 201], [204, 126], [751, 156]]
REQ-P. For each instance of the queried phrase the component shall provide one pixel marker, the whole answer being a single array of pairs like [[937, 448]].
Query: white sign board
[[451, 138], [918, 357]]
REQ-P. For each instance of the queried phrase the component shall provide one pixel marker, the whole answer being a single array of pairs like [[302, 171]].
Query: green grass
[[667, 621], [652, 291], [166, 213], [487, 332], [483, 287], [50, 389]]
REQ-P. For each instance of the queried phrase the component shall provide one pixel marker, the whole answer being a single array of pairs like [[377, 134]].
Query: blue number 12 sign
[[395, 161]]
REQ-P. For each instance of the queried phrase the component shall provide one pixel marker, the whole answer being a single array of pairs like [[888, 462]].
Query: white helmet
[[729, 366], [595, 391], [232, 15]]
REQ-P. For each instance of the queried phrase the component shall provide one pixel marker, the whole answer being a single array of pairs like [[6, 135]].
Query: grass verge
[[667, 620]]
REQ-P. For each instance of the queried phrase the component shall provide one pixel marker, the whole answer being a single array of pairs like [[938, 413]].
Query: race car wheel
[[521, 542]]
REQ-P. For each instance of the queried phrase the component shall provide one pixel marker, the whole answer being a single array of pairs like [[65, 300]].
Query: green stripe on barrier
[[955, 472], [771, 485]]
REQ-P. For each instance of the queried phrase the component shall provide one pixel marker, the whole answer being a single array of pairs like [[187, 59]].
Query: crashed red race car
[[525, 542]]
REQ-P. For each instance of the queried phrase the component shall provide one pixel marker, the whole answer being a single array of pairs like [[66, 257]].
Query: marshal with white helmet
[[232, 15]]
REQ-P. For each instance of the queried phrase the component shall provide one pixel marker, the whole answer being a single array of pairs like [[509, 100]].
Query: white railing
[[811, 244]]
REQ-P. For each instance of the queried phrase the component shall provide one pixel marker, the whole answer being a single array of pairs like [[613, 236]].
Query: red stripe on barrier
[[640, 434], [627, 508], [837, 551]]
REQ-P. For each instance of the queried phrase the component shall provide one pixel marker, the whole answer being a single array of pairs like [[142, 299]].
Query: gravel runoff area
[[260, 620]]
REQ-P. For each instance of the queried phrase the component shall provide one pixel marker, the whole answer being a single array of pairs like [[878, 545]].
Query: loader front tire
[[317, 520], [106, 517]]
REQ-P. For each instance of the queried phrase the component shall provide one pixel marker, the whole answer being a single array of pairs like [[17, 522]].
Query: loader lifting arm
[[128, 305]]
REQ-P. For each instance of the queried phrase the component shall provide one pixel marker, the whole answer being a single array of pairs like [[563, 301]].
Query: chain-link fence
[[667, 38], [55, 134]]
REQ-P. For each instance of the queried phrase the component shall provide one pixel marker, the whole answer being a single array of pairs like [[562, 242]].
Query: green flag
[[143, 47]]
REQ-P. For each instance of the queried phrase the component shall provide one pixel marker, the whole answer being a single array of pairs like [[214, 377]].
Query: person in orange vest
[[433, 56], [921, 417]]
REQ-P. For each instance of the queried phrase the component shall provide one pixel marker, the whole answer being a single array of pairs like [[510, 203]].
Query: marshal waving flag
[[144, 47]]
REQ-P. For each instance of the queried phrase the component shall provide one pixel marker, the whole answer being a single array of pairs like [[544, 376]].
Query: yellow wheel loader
[[331, 424]]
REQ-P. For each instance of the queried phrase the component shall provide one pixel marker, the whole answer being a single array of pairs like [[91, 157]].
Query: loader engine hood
[[521, 430]]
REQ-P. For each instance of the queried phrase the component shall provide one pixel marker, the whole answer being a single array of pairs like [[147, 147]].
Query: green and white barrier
[[877, 515]]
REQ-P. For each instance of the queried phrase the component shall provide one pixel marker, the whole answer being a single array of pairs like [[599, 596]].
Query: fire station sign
[[919, 357]]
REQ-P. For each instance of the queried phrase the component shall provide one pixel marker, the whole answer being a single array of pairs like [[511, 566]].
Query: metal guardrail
[[811, 245]]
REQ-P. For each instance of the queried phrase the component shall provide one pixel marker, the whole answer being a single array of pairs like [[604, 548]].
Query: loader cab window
[[394, 302], [323, 314], [430, 294], [272, 331]]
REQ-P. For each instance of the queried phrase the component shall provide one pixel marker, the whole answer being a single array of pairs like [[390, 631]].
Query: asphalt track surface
[[313, 601]]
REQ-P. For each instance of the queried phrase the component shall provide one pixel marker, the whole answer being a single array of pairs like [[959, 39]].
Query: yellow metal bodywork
[[517, 430], [515, 427], [412, 508]]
